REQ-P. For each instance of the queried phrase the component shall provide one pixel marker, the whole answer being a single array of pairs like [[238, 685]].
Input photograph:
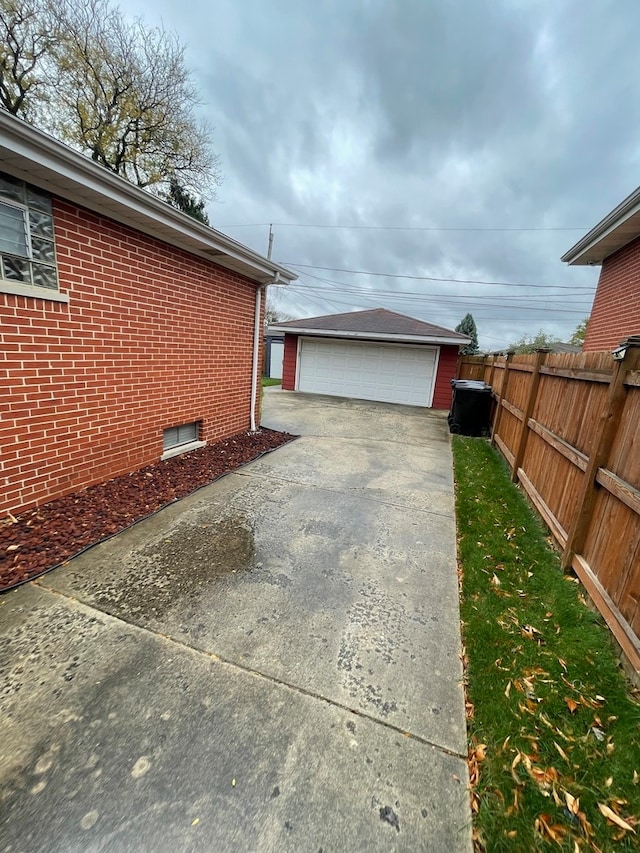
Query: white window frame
[[181, 447], [22, 288]]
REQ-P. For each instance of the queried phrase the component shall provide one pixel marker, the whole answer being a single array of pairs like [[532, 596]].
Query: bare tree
[[126, 97], [27, 35]]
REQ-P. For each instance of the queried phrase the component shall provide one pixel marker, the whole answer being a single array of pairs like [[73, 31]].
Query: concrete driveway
[[272, 664]]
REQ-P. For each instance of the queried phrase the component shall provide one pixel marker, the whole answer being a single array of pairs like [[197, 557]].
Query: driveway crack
[[256, 673], [362, 489]]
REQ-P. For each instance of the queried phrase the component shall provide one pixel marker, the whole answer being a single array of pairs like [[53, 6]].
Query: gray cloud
[[442, 114]]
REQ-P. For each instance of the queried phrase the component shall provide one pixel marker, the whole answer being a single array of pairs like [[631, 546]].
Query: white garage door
[[368, 371]]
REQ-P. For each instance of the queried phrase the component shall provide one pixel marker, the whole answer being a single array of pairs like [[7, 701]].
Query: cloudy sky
[[425, 141]]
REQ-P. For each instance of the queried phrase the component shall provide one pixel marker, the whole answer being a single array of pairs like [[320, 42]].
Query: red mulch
[[42, 538]]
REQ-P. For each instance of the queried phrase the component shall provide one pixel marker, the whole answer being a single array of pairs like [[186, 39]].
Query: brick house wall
[[441, 393], [152, 337], [616, 308]]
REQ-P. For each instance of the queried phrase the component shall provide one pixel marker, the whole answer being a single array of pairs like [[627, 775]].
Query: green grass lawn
[[267, 380], [554, 726]]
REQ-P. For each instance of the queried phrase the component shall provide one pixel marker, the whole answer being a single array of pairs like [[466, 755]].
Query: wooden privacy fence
[[569, 427]]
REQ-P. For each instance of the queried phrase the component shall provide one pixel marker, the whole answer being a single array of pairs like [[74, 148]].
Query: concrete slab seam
[[253, 672], [362, 489]]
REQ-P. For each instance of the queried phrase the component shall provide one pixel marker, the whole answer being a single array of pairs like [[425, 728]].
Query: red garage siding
[[446, 372], [289, 362], [616, 309], [152, 337]]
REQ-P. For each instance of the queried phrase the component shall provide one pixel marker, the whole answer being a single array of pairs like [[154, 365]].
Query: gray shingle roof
[[375, 321]]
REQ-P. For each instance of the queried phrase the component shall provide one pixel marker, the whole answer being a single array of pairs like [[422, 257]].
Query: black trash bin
[[470, 407]]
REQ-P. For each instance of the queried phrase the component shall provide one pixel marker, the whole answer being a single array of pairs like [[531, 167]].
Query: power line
[[391, 227], [486, 309], [421, 277], [572, 291], [445, 299]]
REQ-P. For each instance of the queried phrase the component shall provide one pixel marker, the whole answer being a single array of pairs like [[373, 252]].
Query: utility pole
[[270, 240]]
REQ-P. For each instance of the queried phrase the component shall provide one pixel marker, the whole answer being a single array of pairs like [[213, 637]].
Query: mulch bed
[[40, 539]]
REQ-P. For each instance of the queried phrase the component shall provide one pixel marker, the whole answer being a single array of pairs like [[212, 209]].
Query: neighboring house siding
[[152, 337], [616, 309], [289, 362], [446, 372]]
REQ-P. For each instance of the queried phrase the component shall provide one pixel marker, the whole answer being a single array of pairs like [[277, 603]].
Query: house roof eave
[[618, 228], [36, 157]]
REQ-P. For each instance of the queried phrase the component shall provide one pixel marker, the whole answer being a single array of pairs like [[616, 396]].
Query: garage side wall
[[446, 372], [152, 338], [289, 362]]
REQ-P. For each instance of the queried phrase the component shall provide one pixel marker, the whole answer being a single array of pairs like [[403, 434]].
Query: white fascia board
[[613, 220], [38, 158], [370, 336]]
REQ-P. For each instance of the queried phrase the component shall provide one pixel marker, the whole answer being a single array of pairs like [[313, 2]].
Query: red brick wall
[[616, 308], [152, 337], [446, 372], [289, 362]]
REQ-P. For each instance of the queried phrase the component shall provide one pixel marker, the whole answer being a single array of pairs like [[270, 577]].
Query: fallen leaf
[[561, 751], [13, 547], [573, 803], [598, 733], [555, 832], [614, 818], [481, 751], [233, 783], [514, 764], [507, 690], [495, 580], [636, 778], [608, 782], [195, 821]]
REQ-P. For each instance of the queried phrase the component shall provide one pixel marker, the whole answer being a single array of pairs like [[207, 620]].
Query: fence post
[[599, 450], [527, 412], [503, 391], [493, 370]]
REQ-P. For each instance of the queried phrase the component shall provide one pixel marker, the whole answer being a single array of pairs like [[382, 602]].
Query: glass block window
[[175, 436], [27, 247]]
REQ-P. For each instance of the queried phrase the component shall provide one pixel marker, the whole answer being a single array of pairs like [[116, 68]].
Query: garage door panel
[[368, 371]]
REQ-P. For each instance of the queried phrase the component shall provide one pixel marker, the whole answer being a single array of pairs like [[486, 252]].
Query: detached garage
[[371, 355]]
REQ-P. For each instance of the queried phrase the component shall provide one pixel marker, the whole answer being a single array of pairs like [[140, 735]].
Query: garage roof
[[39, 159], [615, 231], [375, 324]]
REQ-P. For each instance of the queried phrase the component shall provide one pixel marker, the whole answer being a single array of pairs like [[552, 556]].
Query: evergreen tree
[[187, 203], [467, 326]]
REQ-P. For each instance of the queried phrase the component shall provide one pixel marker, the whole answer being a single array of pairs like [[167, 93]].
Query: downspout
[[256, 350]]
